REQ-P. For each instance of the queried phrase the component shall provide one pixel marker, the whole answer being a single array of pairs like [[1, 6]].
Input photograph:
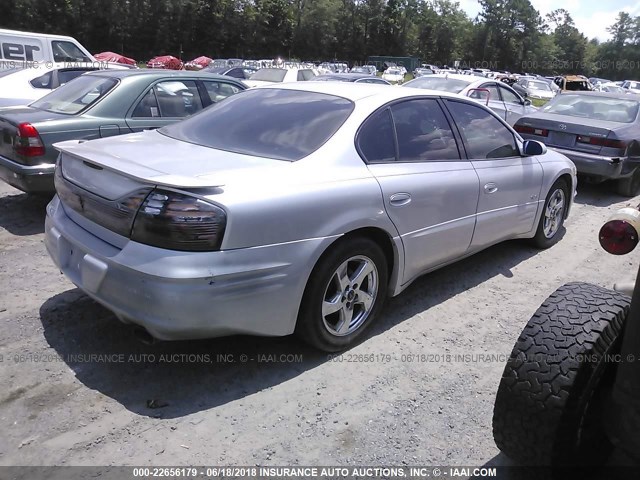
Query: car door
[[514, 105], [430, 192], [165, 102], [495, 100], [510, 184]]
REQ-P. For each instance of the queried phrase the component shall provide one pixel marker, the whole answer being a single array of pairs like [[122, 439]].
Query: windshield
[[76, 96], [393, 71], [537, 85], [594, 107], [270, 122], [443, 84], [269, 74]]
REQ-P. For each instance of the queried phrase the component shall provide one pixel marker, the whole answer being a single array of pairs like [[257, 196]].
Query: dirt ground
[[76, 387]]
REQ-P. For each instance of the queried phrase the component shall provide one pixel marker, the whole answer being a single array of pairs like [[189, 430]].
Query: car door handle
[[490, 188], [400, 199]]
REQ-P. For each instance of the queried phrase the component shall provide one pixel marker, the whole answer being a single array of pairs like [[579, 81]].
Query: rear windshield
[[266, 122], [443, 84], [269, 74], [76, 96], [536, 85], [594, 107]]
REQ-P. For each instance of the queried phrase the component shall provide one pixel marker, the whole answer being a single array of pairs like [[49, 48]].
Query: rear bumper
[[30, 179], [186, 295], [604, 168]]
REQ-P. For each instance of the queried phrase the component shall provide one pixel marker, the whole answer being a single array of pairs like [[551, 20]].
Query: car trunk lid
[[150, 158], [567, 132], [10, 119]]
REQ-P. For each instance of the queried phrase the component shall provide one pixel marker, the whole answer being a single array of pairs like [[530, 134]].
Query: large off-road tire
[[553, 215], [549, 403], [344, 294]]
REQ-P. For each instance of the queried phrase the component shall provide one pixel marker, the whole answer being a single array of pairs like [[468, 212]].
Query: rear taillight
[[542, 132], [602, 142], [27, 141], [619, 235], [176, 221]]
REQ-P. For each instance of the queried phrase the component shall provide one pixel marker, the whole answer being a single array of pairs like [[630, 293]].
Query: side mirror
[[527, 102], [533, 147]]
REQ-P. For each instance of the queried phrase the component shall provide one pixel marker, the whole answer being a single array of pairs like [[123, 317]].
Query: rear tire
[[549, 403], [630, 186], [554, 212], [345, 293]]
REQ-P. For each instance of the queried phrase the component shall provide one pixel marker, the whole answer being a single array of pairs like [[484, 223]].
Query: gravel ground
[[395, 399]]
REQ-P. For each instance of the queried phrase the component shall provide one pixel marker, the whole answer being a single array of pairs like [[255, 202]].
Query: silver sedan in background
[[498, 96], [296, 208]]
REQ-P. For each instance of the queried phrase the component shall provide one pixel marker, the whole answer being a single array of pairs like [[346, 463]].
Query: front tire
[[345, 293], [549, 403], [551, 223]]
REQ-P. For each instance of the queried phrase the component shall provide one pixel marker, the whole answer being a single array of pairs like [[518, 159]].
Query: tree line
[[506, 34]]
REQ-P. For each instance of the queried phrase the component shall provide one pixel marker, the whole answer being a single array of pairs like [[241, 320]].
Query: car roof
[[358, 91], [159, 73], [349, 76], [460, 76]]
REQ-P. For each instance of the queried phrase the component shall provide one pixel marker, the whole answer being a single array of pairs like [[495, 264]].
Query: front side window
[[67, 52], [509, 97], [484, 135], [178, 99], [423, 132], [494, 94], [76, 96], [220, 90], [266, 122]]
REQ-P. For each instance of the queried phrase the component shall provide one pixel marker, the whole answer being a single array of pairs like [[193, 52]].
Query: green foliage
[[506, 35]]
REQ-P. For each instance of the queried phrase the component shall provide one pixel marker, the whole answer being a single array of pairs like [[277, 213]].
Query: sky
[[591, 17]]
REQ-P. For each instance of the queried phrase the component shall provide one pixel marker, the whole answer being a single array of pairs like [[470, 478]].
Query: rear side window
[[423, 132], [43, 81], [272, 123], [376, 140], [485, 136]]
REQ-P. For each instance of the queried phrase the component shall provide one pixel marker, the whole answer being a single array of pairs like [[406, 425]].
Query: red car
[[165, 61]]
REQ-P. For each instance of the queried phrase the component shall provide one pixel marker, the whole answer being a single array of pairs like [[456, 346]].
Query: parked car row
[[193, 206]]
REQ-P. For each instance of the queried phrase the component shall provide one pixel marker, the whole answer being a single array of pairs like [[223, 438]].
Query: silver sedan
[[296, 208], [498, 96]]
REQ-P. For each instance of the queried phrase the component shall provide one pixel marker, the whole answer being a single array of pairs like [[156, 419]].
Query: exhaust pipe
[[144, 336]]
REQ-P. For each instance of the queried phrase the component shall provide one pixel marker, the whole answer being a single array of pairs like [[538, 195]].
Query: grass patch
[[538, 102]]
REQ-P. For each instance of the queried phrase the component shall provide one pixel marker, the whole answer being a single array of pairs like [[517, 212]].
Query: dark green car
[[97, 105]]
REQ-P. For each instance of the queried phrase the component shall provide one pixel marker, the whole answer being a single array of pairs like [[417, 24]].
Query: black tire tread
[[545, 380]]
